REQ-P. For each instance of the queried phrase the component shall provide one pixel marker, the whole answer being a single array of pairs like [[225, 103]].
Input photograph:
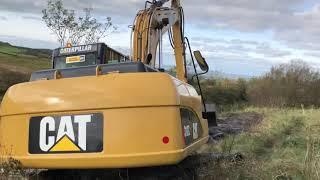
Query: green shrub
[[294, 84], [225, 91], [9, 78], [286, 85]]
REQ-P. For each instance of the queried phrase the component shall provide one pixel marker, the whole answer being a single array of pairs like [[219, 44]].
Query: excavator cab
[[85, 55]]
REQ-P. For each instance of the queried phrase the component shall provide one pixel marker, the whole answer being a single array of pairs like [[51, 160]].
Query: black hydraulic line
[[182, 23], [171, 38], [148, 33], [146, 4], [197, 75], [160, 47]]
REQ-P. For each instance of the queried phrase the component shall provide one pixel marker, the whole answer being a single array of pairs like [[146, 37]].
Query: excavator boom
[[149, 26]]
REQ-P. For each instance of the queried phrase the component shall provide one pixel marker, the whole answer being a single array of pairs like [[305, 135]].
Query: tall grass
[[284, 146], [9, 78], [11, 168], [286, 85]]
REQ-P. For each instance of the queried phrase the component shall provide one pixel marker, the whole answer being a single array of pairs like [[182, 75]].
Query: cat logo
[[64, 141], [66, 134], [76, 49]]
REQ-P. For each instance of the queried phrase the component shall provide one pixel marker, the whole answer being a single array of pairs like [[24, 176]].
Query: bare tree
[[68, 27], [57, 19]]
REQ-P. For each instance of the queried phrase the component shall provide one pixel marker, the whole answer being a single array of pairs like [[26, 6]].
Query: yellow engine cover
[[108, 121]]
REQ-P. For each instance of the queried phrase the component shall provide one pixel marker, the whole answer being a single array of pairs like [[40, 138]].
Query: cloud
[[3, 18], [314, 54], [22, 6], [240, 14], [27, 42], [238, 47], [289, 22], [244, 65], [121, 8], [239, 41], [244, 15], [307, 33], [268, 51], [31, 17]]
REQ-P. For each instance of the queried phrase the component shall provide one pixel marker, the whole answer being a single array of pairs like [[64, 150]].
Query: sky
[[243, 37]]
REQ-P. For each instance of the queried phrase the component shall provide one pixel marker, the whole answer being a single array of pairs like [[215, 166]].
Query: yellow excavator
[[97, 108]]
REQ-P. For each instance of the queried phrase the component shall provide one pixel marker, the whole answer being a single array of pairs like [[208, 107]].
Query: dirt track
[[233, 124]]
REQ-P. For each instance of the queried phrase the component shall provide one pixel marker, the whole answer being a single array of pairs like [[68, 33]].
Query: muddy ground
[[230, 124], [233, 124]]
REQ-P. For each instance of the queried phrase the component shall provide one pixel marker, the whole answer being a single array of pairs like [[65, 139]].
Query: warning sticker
[[75, 59]]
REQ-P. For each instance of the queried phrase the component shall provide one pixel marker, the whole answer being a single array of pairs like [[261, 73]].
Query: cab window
[[112, 57], [62, 62]]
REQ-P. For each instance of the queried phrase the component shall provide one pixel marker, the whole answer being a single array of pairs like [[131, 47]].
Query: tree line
[[293, 84]]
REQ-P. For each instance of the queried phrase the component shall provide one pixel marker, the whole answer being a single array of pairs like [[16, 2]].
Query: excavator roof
[[62, 51], [128, 67]]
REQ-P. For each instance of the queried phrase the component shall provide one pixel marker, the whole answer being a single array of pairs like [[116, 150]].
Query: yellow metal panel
[[135, 38], [139, 109], [132, 138], [179, 51], [140, 34], [92, 92]]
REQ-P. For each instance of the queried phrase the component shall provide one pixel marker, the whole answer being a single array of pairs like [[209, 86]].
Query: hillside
[[17, 63], [23, 60]]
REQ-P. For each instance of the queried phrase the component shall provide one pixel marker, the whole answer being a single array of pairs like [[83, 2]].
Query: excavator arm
[[149, 26]]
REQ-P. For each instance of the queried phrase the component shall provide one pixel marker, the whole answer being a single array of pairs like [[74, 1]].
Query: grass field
[[23, 60], [285, 145], [25, 65], [17, 64]]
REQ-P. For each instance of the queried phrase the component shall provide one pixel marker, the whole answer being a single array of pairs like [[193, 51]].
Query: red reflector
[[165, 140]]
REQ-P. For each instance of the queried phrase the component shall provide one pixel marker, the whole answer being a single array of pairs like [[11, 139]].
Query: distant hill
[[219, 74], [17, 63], [212, 74], [27, 42], [6, 48], [22, 59]]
